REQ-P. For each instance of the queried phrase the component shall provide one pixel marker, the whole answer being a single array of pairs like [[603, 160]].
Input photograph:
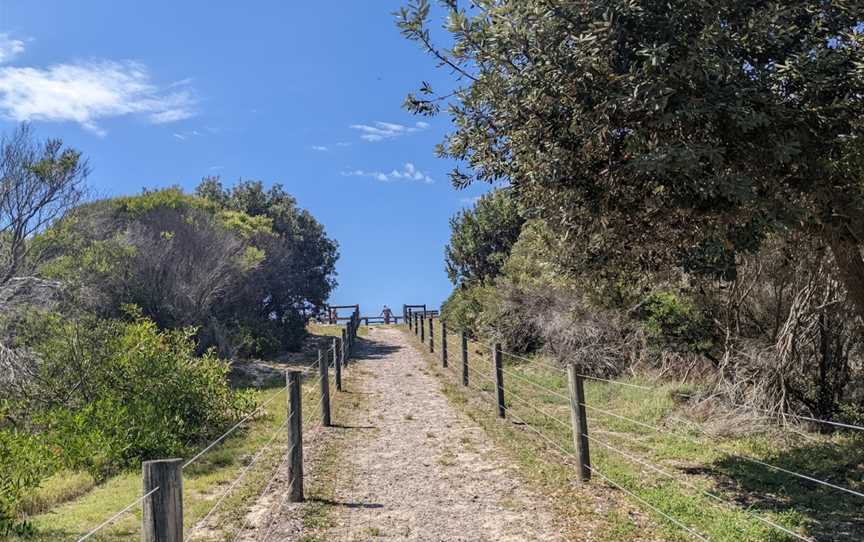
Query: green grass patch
[[85, 504], [706, 463]]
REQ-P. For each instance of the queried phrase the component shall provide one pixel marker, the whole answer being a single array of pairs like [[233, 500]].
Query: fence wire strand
[[114, 518], [594, 470], [237, 480], [728, 453], [631, 457], [234, 428]]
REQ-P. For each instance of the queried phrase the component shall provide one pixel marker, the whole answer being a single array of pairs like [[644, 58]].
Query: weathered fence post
[[337, 366], [464, 358], [295, 438], [431, 335], [422, 328], [409, 317], [579, 421], [324, 377], [162, 520], [443, 344], [416, 320], [499, 380], [344, 348]]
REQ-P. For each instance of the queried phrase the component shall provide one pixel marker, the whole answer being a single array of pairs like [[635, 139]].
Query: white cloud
[[409, 172], [88, 92], [183, 136], [320, 148], [379, 131], [469, 201], [9, 47]]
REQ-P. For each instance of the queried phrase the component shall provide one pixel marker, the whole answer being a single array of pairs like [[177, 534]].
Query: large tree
[[481, 238], [664, 133], [298, 272]]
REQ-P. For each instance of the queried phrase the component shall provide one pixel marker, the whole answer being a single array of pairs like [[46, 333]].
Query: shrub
[[119, 392], [675, 322], [24, 461]]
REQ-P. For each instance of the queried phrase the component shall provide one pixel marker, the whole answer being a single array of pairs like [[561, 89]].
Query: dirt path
[[416, 469]]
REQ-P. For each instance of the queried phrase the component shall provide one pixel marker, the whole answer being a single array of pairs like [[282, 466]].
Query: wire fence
[[271, 457], [540, 403]]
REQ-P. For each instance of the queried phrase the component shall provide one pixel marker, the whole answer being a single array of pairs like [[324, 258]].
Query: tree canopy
[[243, 279], [662, 133], [481, 238]]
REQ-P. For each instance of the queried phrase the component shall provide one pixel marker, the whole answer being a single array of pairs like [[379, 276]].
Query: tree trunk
[[850, 264]]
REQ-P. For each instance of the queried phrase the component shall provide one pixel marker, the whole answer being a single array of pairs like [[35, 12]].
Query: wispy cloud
[[409, 172], [469, 201], [89, 92], [379, 131], [183, 136], [9, 47], [320, 148]]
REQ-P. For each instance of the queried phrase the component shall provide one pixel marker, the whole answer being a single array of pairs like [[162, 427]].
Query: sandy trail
[[416, 469]]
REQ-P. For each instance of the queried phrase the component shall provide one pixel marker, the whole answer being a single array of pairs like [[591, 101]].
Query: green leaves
[[481, 238], [735, 109]]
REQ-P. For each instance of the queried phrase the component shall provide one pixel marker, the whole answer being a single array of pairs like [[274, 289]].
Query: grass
[[86, 505], [706, 464]]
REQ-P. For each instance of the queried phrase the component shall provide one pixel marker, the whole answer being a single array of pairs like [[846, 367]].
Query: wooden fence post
[[344, 349], [410, 319], [337, 365], [579, 422], [324, 378], [443, 344], [464, 358], [162, 520], [499, 380], [295, 438], [422, 328], [431, 335]]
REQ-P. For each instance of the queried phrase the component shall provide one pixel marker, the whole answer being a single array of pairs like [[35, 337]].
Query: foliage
[[39, 182], [24, 461], [468, 308], [110, 393], [662, 134], [296, 273], [481, 238], [675, 322], [243, 279]]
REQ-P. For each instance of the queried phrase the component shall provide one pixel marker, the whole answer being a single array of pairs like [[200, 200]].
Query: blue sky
[[306, 94]]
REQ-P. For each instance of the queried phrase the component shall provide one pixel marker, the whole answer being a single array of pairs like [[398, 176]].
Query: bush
[[24, 462], [675, 322], [121, 391]]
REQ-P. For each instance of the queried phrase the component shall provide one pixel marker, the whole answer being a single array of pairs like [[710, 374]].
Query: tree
[[481, 238], [39, 182], [662, 133], [300, 260]]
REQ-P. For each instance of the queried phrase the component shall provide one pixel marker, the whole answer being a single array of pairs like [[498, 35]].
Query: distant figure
[[386, 313]]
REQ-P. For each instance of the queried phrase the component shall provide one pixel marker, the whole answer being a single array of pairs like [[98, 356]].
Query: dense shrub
[[111, 393], [241, 266], [24, 461], [675, 322]]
